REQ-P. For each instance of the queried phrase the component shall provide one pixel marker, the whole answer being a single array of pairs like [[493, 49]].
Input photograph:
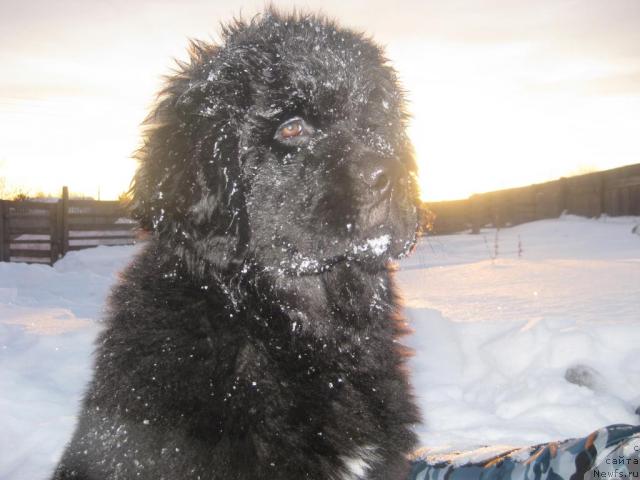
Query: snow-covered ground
[[498, 320], [495, 335]]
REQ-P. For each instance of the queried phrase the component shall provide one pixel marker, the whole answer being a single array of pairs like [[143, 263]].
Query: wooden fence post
[[64, 230], [54, 236], [59, 226]]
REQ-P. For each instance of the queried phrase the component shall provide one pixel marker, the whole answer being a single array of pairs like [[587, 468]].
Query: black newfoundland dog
[[255, 337]]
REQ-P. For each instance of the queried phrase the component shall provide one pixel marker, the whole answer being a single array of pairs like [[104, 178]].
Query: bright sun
[[482, 122]]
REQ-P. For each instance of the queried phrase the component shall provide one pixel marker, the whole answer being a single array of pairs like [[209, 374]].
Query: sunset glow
[[500, 96]]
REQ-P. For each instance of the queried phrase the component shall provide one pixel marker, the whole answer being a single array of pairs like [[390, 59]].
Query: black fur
[[255, 335]]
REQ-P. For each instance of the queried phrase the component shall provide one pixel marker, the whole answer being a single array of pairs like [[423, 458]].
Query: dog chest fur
[[308, 374]]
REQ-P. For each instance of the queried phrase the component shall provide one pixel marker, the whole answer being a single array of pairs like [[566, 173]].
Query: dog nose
[[378, 177], [380, 181]]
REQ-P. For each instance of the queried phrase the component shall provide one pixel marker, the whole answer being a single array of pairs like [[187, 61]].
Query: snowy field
[[499, 318]]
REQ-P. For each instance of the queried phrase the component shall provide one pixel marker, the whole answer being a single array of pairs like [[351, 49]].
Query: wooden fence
[[612, 192], [42, 232]]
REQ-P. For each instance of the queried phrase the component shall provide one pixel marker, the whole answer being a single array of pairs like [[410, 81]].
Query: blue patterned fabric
[[612, 452]]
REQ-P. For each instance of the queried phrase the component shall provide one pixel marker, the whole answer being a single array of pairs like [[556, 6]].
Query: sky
[[502, 93]]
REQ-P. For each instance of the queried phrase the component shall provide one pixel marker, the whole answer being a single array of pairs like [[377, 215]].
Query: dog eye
[[292, 128]]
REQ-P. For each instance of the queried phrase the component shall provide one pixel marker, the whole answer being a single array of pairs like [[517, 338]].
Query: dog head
[[285, 147]]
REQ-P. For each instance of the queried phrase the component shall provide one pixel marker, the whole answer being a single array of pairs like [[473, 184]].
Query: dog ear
[[188, 188]]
